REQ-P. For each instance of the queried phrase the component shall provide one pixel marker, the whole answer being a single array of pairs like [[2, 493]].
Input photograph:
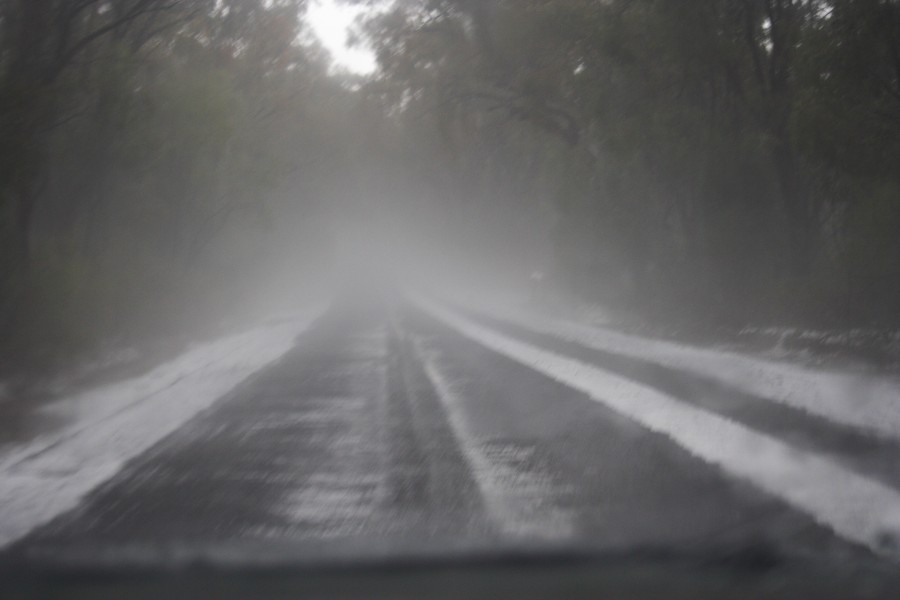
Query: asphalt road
[[385, 428]]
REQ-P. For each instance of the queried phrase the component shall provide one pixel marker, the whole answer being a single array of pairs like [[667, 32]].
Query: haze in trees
[[170, 164]]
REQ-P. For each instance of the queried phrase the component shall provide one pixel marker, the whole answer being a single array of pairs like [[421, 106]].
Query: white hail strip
[[50, 475], [853, 506], [504, 503], [867, 402]]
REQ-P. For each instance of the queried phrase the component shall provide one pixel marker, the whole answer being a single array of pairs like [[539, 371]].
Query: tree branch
[[140, 8]]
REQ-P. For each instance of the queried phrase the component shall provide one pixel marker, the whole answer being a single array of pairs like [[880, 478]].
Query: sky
[[332, 22]]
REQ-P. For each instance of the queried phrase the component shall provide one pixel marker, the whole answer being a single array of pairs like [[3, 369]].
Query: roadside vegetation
[[145, 147], [719, 160], [716, 161]]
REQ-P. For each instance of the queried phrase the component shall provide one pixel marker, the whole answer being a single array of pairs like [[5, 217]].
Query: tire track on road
[[857, 508]]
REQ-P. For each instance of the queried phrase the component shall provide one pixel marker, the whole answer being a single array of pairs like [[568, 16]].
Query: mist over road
[[409, 424]]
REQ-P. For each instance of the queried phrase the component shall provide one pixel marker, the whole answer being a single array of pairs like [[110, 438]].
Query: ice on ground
[[853, 506], [107, 426], [870, 402], [518, 498]]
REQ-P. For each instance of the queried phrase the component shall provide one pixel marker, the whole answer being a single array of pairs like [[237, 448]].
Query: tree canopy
[[727, 160]]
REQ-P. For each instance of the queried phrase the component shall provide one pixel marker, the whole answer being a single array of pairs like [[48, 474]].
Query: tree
[[713, 146]]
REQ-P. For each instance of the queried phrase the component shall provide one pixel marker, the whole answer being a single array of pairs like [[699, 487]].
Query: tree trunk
[[798, 220]]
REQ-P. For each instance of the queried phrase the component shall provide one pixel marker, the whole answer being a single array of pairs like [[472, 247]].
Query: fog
[[203, 160], [365, 279]]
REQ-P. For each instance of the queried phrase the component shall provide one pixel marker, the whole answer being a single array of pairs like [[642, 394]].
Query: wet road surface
[[387, 428]]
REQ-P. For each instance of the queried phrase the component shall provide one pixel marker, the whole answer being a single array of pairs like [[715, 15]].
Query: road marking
[[855, 507]]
